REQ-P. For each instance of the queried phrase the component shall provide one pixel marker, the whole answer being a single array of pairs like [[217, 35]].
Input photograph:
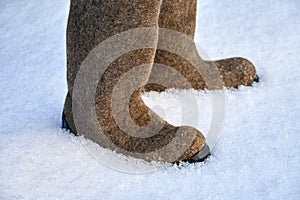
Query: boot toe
[[201, 156]]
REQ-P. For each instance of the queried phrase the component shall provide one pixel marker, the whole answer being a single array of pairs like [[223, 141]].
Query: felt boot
[[123, 122], [180, 16]]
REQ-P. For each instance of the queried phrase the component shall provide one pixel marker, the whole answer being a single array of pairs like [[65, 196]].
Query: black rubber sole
[[192, 161], [64, 123], [257, 79], [199, 157]]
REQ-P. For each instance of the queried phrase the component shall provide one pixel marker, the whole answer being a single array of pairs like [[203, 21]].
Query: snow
[[256, 156]]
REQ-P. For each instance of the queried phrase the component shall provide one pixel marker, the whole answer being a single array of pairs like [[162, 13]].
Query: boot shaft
[[90, 22], [179, 15]]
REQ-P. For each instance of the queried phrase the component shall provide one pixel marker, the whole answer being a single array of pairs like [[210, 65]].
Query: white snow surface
[[256, 156]]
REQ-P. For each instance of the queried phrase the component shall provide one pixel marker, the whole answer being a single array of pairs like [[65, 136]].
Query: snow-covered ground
[[257, 155]]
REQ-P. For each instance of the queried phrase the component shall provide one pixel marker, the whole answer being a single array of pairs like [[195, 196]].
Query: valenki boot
[[90, 24], [180, 16]]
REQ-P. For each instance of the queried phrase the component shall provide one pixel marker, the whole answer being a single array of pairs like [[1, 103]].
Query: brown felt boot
[[112, 112], [180, 16]]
